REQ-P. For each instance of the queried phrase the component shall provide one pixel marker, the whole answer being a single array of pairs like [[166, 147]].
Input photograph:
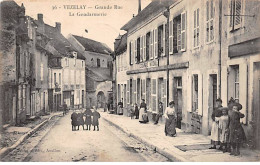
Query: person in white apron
[[143, 117]]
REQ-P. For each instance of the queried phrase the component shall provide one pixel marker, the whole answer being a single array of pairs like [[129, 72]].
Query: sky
[[100, 28]]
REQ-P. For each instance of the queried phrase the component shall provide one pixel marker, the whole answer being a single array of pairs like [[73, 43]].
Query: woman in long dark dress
[[170, 116], [74, 122], [88, 113], [143, 116], [95, 122], [80, 120], [237, 134]]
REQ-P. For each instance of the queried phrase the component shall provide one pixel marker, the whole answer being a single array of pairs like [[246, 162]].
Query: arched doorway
[[101, 100]]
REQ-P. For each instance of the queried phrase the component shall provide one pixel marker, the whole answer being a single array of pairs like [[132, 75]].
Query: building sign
[[149, 64]]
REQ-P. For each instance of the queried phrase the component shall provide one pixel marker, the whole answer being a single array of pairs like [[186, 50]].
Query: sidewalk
[[186, 147], [12, 136]]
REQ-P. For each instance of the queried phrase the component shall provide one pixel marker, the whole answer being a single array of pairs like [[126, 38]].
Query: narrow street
[[59, 143]]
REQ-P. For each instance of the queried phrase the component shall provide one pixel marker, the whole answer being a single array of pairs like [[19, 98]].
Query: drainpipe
[[167, 15], [17, 80], [220, 40]]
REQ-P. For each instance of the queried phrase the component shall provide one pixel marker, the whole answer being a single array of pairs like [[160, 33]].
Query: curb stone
[[172, 156], [6, 150]]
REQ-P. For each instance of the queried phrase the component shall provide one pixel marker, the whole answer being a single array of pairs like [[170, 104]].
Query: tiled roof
[[103, 74], [59, 42], [122, 45], [154, 8], [93, 46]]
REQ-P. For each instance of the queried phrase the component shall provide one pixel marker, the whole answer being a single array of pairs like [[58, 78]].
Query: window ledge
[[210, 42]]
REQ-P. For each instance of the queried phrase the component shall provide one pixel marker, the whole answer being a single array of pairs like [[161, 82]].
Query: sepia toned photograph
[[129, 81]]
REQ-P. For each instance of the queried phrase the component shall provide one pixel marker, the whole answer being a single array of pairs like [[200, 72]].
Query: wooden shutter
[[189, 93], [151, 44], [200, 94], [207, 21], [154, 100], [131, 53], [156, 43], [171, 37], [135, 48], [141, 49], [144, 47], [128, 91], [163, 41], [237, 13], [183, 31]]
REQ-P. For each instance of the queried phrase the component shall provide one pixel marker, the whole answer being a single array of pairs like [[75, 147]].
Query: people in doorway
[[96, 116], [216, 114], [143, 116], [237, 134], [136, 111], [74, 123], [120, 107], [170, 116], [159, 113], [88, 113], [223, 128]]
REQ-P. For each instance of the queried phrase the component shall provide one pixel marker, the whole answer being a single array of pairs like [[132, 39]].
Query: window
[[196, 28], [66, 61], [82, 64], [235, 12], [147, 45], [236, 71], [177, 34], [209, 21], [179, 82], [195, 93], [98, 62], [161, 40], [41, 72]]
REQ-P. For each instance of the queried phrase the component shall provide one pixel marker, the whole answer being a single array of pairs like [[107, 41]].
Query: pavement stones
[[195, 144]]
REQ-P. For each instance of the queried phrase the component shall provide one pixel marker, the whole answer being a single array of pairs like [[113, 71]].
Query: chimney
[[40, 18], [139, 6], [58, 26]]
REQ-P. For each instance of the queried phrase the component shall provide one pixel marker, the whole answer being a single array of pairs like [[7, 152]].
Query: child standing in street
[[223, 126], [237, 134], [96, 116]]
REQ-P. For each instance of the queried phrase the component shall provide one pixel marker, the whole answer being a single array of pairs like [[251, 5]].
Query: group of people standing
[[91, 118], [226, 128]]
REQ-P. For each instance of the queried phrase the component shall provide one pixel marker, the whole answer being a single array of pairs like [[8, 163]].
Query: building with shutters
[[240, 73], [213, 49]]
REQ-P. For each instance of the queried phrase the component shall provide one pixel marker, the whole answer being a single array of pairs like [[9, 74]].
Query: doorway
[[178, 99], [256, 103], [212, 98]]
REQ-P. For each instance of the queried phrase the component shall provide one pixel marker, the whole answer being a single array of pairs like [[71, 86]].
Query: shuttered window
[[183, 31], [209, 21], [235, 12], [151, 45], [156, 43], [154, 96], [141, 49], [144, 48]]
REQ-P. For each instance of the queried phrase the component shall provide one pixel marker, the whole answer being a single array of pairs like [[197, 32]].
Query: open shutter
[[128, 91], [143, 89], [207, 21], [171, 37], [163, 41], [183, 31], [151, 45], [156, 43], [237, 13], [144, 47], [141, 49], [132, 53], [200, 94], [135, 52], [243, 89]]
